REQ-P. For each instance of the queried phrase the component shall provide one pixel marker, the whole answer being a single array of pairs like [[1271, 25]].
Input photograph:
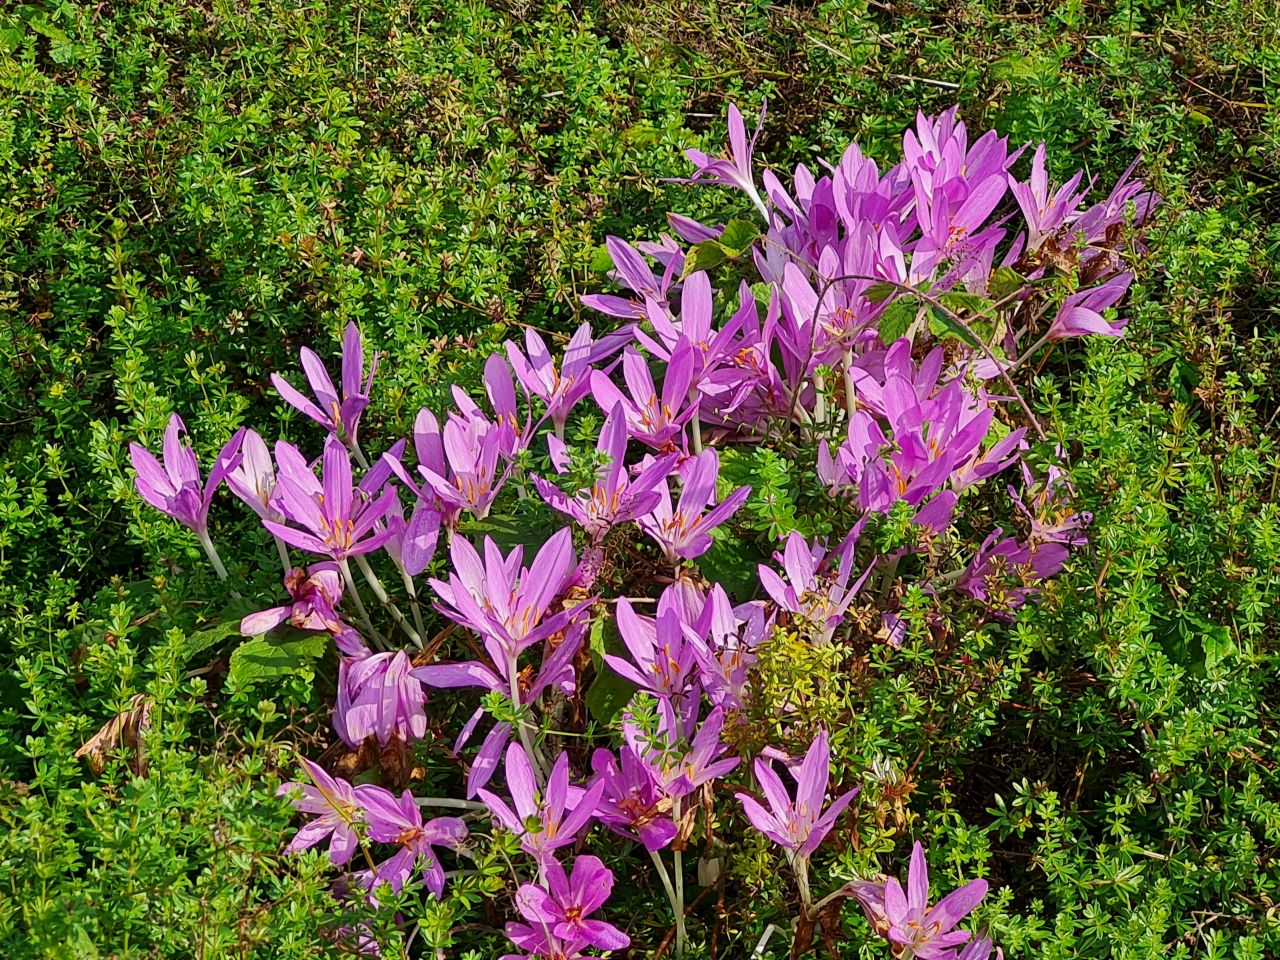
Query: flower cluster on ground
[[878, 327]]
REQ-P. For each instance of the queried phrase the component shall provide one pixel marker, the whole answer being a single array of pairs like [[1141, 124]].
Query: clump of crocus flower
[[880, 349]]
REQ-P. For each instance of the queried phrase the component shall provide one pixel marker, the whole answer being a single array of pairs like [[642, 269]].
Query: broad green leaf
[[943, 327], [897, 318], [225, 624], [276, 655], [738, 237], [958, 301], [704, 256], [601, 262], [880, 292], [608, 695], [1004, 281]]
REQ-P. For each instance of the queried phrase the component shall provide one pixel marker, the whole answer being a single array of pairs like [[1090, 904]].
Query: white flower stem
[[283, 550], [535, 758], [846, 361], [677, 908], [380, 592], [678, 866], [211, 552], [361, 613]]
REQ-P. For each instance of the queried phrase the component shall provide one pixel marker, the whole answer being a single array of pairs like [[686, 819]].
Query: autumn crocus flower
[[565, 905], [254, 478], [379, 697], [631, 271], [174, 488], [398, 820], [615, 497], [560, 388], [634, 803], [544, 821], [684, 530], [336, 806], [333, 518], [819, 596], [1081, 312], [655, 419], [661, 656], [340, 414], [1046, 210], [908, 922], [799, 825], [734, 166], [315, 592]]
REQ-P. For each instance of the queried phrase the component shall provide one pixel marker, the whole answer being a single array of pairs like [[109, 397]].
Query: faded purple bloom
[[906, 919], [979, 950], [337, 807], [1004, 572], [684, 531], [565, 905], [340, 415], [174, 488], [398, 820], [634, 803], [316, 592], [544, 822], [338, 520], [1081, 312], [615, 497], [379, 697], [798, 825]]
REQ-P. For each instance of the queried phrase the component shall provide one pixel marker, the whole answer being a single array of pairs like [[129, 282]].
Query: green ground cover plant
[[194, 191]]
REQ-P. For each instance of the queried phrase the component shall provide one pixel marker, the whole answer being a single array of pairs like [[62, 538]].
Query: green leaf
[[704, 256], [880, 292], [1004, 281], [897, 318], [958, 301], [225, 624], [601, 262], [945, 327], [608, 695], [511, 532], [738, 237], [11, 34], [280, 654]]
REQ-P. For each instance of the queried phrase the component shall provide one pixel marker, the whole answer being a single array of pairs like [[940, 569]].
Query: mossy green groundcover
[[190, 192]]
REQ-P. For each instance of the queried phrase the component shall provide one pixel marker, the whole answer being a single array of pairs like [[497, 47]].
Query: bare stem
[[211, 552], [678, 904], [677, 908], [361, 613], [283, 550], [380, 592]]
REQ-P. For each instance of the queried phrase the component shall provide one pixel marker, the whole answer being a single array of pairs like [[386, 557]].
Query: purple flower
[[413, 541], [254, 478], [631, 271], [174, 488], [459, 465], [546, 822], [337, 519], [734, 167], [341, 416], [679, 762], [684, 531], [1081, 312], [316, 592], [634, 803], [652, 419], [662, 658], [379, 697], [818, 596], [1003, 572], [561, 388], [726, 653], [503, 601], [798, 825], [615, 497], [1046, 211], [979, 950], [565, 905], [398, 820], [337, 808], [908, 922]]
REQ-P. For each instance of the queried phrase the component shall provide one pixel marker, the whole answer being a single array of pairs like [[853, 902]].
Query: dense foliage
[[193, 192]]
